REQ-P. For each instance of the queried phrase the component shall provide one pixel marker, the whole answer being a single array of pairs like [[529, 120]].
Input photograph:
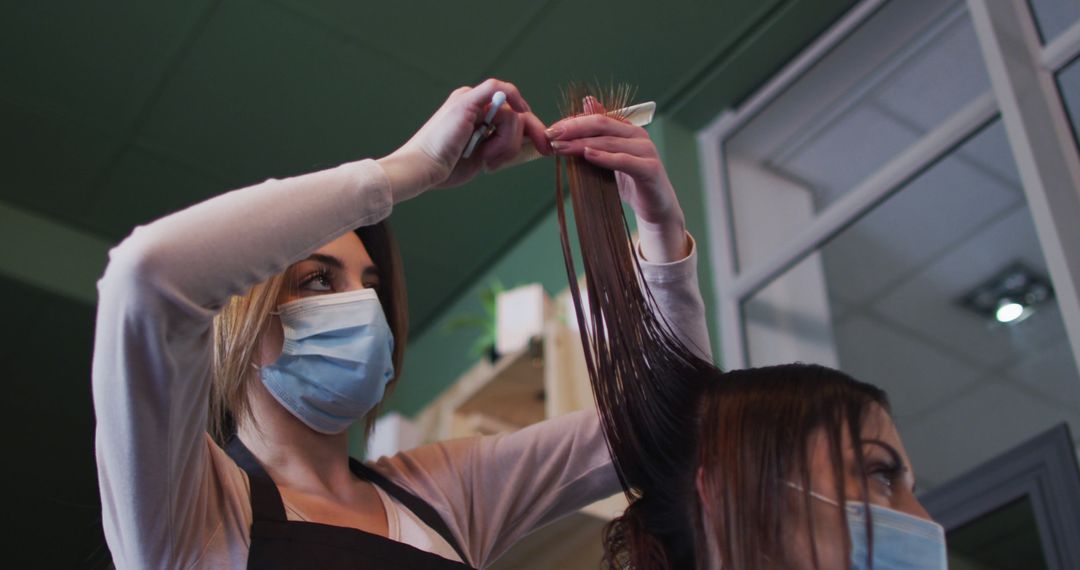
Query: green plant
[[485, 343]]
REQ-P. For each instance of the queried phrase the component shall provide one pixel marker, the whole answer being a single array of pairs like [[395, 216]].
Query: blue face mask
[[336, 360], [901, 541]]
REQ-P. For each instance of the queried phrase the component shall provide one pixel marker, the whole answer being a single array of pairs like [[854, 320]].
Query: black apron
[[280, 543]]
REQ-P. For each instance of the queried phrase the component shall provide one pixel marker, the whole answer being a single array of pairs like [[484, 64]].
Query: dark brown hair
[[645, 380], [754, 430], [665, 412]]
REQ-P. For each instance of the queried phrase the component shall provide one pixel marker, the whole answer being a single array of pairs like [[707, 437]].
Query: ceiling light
[[1009, 312], [1009, 296]]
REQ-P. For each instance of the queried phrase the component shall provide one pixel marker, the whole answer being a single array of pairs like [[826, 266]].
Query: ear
[[271, 340]]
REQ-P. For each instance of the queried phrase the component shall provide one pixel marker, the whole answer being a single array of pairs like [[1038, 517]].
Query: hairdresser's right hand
[[432, 157]]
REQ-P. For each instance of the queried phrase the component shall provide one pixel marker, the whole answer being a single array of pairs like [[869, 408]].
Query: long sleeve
[[494, 490], [164, 485]]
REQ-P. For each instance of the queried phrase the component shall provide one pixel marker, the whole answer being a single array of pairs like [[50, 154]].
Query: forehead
[[349, 249], [877, 425]]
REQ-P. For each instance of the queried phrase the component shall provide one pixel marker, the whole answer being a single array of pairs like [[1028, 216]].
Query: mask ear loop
[[813, 494], [275, 312]]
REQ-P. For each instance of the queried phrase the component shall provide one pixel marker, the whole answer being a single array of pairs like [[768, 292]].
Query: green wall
[[437, 357]]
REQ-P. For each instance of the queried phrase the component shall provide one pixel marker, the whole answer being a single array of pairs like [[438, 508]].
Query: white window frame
[[1025, 96]]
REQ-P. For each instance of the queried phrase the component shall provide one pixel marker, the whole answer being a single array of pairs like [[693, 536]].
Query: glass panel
[[1004, 539], [1069, 83], [1053, 17], [900, 75], [889, 301]]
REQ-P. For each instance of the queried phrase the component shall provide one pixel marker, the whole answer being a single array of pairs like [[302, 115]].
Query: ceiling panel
[[939, 79], [143, 186], [264, 94], [50, 164], [990, 152], [1052, 372], [452, 41], [656, 47], [97, 61], [948, 441], [836, 158], [839, 79], [928, 301], [940, 208], [916, 374]]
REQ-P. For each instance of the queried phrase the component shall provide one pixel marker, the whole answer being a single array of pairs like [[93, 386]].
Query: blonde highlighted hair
[[238, 328]]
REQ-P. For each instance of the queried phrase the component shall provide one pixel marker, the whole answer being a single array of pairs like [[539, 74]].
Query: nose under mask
[[900, 541], [336, 360]]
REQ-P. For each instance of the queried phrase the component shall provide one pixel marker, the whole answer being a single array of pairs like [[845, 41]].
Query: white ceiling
[[1054, 16], [963, 389]]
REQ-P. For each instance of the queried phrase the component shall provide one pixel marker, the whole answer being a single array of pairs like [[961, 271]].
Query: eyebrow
[[327, 259], [336, 263]]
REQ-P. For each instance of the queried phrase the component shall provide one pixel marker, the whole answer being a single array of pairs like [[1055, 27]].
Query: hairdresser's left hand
[[643, 182]]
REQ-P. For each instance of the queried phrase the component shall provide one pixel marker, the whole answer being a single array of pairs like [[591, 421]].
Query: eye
[[318, 281], [886, 474]]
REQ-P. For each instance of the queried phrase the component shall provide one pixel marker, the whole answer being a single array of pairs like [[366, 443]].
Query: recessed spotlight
[[1009, 312], [1009, 296]]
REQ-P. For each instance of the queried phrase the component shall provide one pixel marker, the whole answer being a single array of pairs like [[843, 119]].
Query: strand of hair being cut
[[646, 381]]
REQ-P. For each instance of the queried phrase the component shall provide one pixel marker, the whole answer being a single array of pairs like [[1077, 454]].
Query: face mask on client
[[336, 360], [901, 541]]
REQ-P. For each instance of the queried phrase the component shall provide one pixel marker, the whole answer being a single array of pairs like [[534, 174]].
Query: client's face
[[890, 483]]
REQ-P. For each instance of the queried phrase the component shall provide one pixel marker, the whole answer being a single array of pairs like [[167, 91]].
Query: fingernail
[[554, 132], [556, 145]]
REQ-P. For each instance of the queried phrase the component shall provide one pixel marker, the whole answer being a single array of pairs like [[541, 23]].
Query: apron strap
[[265, 499], [415, 504]]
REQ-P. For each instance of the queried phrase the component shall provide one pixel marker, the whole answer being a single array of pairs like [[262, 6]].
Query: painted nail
[[556, 145], [554, 132]]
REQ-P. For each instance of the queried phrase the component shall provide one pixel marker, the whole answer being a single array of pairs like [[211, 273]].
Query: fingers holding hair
[[643, 169]]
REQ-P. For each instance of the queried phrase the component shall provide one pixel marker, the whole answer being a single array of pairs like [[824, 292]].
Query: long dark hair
[[645, 380], [665, 412], [752, 439]]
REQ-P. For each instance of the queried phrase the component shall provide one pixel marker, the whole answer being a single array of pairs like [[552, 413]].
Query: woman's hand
[[643, 183], [432, 157]]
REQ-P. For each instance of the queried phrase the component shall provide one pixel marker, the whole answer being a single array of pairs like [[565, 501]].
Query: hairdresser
[[239, 339]]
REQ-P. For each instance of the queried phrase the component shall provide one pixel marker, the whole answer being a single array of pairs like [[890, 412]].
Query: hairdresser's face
[[339, 266], [890, 481]]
